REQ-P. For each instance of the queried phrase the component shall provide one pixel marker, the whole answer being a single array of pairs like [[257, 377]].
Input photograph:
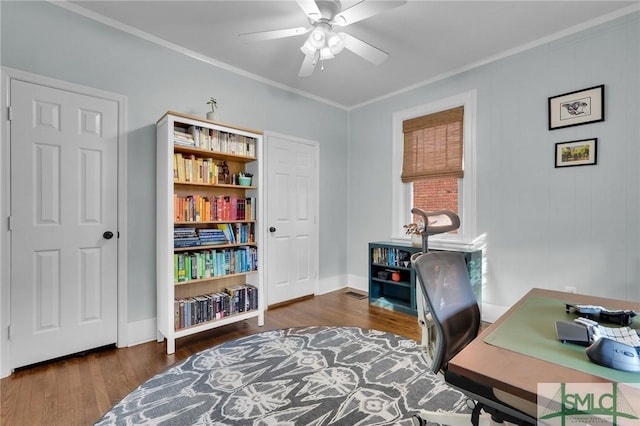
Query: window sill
[[444, 243]]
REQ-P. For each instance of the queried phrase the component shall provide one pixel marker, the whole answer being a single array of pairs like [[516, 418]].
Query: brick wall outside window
[[436, 194]]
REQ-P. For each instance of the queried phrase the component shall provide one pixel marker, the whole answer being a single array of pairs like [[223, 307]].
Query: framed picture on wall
[[576, 108], [577, 153]]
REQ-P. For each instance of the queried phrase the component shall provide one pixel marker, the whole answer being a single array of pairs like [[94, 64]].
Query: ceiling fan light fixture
[[317, 37], [335, 42], [325, 53], [308, 49]]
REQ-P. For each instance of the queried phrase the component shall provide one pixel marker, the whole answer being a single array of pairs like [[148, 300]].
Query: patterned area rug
[[300, 376]]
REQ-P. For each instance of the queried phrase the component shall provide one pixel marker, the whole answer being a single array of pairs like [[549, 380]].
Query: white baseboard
[[358, 282], [142, 331], [327, 285], [338, 282], [490, 313]]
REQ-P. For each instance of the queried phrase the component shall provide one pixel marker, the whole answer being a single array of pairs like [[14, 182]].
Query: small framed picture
[[576, 108], [577, 153]]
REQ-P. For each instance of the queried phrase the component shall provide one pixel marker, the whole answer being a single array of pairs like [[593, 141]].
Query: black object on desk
[[613, 354], [616, 348], [614, 316]]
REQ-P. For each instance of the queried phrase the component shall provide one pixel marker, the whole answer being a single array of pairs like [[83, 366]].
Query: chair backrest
[[436, 222], [448, 294]]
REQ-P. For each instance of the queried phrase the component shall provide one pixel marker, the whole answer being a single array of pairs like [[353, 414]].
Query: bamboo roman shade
[[433, 145]]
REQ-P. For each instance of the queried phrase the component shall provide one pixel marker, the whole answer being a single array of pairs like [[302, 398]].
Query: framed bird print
[[576, 108]]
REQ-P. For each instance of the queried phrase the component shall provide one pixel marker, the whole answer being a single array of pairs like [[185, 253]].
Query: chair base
[[453, 419], [487, 401], [423, 418]]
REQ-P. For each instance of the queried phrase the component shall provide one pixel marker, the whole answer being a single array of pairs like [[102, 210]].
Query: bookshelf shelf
[[187, 331], [214, 154], [209, 247], [214, 185], [210, 222], [204, 280], [207, 230], [395, 283]]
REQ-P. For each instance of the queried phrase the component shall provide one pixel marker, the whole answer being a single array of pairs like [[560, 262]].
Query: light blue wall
[[45, 39], [545, 227]]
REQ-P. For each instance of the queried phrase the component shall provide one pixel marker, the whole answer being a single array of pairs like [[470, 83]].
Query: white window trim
[[466, 239]]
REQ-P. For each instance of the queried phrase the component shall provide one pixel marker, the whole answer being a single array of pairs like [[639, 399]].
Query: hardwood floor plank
[[37, 407], [79, 390]]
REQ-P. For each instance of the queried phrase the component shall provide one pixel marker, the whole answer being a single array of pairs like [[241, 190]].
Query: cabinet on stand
[[392, 280]]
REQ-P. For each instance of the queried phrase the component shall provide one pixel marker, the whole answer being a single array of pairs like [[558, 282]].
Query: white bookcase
[[204, 282]]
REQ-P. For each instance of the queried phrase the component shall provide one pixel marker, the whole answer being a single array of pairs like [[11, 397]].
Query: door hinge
[[9, 223], [9, 113], [9, 332]]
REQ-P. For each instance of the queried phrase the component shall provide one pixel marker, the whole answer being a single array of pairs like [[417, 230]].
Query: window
[[446, 187], [432, 159]]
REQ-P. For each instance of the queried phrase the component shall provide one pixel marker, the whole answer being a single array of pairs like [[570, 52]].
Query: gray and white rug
[[300, 376]]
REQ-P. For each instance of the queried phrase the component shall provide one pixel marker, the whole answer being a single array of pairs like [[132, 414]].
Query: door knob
[[272, 229], [108, 235]]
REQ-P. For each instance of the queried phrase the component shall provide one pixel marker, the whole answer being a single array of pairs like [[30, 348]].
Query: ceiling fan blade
[[364, 10], [310, 9], [308, 65], [367, 51], [270, 35]]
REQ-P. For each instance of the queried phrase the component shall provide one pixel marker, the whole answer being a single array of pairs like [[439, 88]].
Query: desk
[[519, 374]]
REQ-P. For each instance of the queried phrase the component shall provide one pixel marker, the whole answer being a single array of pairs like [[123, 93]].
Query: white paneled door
[[291, 203], [63, 222]]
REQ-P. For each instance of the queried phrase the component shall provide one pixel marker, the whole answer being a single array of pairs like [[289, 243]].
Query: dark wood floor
[[78, 390]]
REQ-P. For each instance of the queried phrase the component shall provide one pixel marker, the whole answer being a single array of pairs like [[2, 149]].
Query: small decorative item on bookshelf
[[244, 179], [213, 103], [223, 174], [415, 230]]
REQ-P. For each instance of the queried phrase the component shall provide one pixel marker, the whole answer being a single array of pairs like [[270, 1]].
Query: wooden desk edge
[[494, 366]]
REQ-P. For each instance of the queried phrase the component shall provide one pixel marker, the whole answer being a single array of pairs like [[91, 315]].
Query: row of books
[[189, 168], [201, 208], [215, 140], [191, 311], [208, 263], [192, 237], [223, 233], [390, 256], [238, 233]]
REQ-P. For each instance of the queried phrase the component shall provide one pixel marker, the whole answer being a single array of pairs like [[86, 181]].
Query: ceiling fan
[[323, 41]]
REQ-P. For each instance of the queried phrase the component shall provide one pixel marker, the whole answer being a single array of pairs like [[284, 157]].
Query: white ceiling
[[425, 39]]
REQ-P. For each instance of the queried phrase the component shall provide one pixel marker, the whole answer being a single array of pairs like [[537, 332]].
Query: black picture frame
[[582, 152], [576, 108]]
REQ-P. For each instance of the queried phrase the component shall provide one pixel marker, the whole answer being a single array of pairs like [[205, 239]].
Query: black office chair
[[449, 297], [435, 222]]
